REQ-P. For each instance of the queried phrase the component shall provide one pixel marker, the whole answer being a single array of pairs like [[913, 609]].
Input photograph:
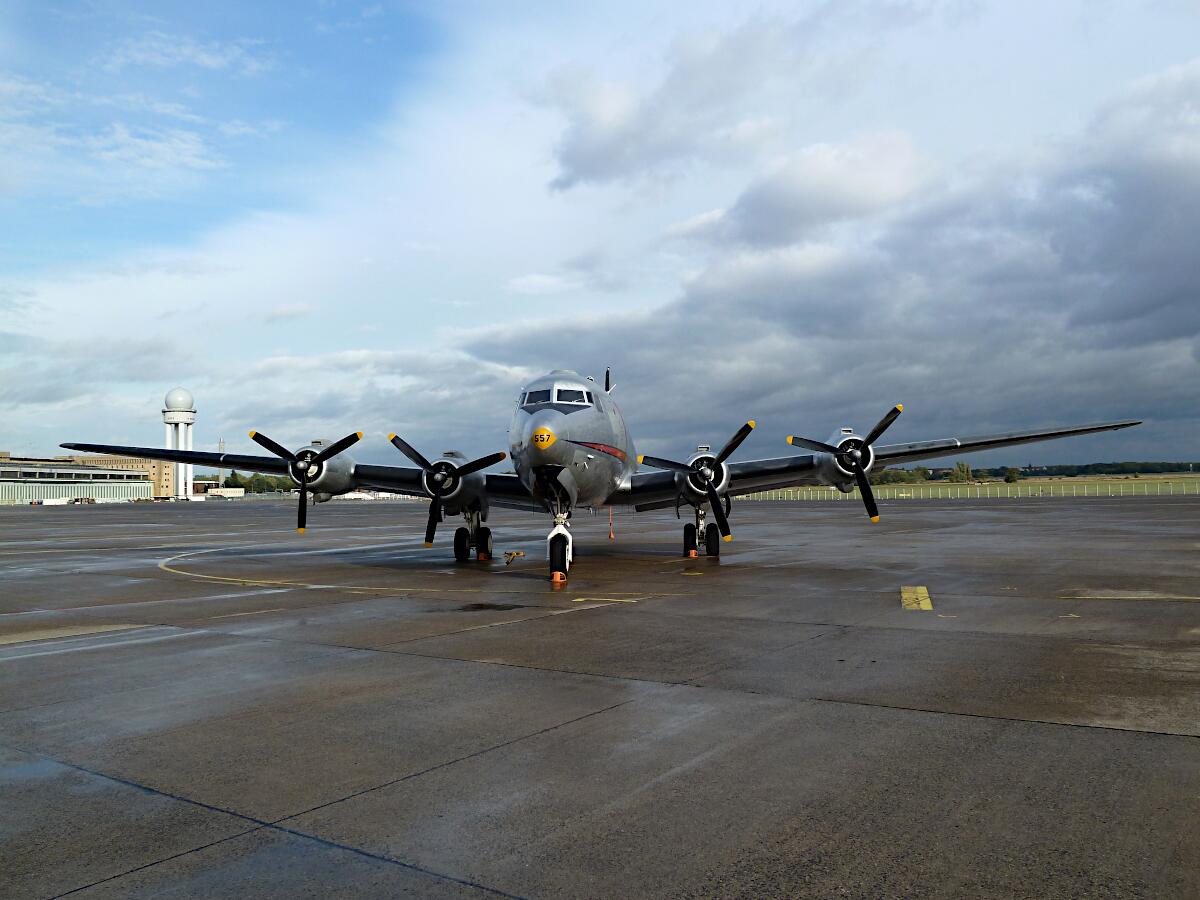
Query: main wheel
[[462, 544], [483, 543], [689, 538], [558, 555], [712, 539]]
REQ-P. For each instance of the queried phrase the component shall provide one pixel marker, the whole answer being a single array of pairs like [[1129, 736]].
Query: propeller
[[303, 463], [850, 455], [442, 479], [706, 469]]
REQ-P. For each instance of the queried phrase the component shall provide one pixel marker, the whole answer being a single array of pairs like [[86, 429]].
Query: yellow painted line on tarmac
[[166, 566], [601, 600], [915, 597], [43, 634], [257, 612], [1128, 595]]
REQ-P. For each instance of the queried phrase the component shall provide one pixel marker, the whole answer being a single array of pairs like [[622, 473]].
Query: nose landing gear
[[559, 548]]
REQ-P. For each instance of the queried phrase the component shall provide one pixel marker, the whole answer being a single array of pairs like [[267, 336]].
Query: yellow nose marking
[[543, 438]]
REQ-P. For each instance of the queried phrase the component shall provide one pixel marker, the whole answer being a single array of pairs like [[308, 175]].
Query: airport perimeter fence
[[1190, 486]]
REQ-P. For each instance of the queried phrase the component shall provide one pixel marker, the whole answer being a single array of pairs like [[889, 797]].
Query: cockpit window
[[589, 396], [569, 395], [537, 397]]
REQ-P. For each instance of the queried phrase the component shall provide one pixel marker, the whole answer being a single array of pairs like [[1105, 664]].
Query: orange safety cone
[[692, 554]]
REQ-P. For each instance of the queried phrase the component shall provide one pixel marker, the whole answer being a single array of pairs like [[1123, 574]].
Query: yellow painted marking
[[166, 566], [42, 634], [1127, 595], [257, 612], [915, 597], [600, 600], [543, 438], [693, 573]]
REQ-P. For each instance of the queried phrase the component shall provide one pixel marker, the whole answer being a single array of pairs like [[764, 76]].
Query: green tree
[[258, 484], [1011, 475], [233, 480], [961, 473]]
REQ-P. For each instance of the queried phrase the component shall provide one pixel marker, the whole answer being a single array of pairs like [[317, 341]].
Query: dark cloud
[[1062, 291]]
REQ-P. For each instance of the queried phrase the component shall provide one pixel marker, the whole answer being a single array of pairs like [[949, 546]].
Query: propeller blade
[[868, 496], [735, 441], [718, 510], [302, 509], [820, 447], [884, 424], [338, 446], [435, 513], [657, 462], [278, 449], [482, 463], [410, 451]]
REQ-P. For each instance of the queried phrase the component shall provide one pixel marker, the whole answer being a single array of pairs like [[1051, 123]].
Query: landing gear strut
[[473, 535], [559, 547], [697, 532]]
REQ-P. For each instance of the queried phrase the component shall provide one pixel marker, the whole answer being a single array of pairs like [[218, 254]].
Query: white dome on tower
[[179, 399]]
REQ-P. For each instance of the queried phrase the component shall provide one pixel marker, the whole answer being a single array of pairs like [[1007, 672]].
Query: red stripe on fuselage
[[603, 448]]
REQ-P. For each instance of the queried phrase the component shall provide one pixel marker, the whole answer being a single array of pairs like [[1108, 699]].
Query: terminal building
[[24, 481]]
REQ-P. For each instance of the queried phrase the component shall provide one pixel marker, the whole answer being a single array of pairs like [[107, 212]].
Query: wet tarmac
[[195, 701]]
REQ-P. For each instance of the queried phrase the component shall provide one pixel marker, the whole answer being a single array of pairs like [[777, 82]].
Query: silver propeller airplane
[[571, 449]]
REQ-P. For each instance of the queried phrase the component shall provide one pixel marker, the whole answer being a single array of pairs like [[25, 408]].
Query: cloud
[[539, 284], [288, 312], [818, 185], [159, 50]]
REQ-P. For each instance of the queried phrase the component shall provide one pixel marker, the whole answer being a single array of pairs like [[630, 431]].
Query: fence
[[1131, 488]]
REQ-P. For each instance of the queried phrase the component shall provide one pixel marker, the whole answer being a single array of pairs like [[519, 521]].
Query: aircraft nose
[[543, 436]]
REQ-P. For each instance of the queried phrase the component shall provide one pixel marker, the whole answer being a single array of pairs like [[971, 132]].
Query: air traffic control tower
[[179, 415]]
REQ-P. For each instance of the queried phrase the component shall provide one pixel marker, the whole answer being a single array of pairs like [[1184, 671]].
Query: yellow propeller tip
[[299, 531], [752, 423], [253, 433], [789, 439], [640, 458], [392, 436], [728, 538], [874, 518], [360, 434], [900, 407], [429, 543]]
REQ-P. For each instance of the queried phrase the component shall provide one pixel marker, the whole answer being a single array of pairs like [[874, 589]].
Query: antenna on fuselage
[[608, 381]]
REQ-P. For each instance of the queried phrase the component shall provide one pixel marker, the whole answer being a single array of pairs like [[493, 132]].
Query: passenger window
[[537, 397], [567, 395]]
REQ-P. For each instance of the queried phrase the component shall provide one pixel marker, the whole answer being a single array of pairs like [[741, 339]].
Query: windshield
[[537, 397], [569, 395]]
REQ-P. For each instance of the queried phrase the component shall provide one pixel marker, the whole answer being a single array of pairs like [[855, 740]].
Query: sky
[[333, 216]]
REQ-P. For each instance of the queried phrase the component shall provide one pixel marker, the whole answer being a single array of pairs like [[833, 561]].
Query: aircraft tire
[[689, 538], [483, 543], [462, 544], [712, 539], [558, 554]]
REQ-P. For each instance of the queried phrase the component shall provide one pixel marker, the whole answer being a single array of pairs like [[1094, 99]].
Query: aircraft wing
[[502, 490], [270, 465], [894, 454]]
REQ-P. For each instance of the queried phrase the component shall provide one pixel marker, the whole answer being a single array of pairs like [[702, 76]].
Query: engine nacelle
[[693, 487], [835, 470], [464, 491], [331, 477]]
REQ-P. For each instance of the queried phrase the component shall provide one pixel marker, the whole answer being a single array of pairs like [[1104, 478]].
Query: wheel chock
[[692, 554], [510, 555], [558, 578], [482, 557]]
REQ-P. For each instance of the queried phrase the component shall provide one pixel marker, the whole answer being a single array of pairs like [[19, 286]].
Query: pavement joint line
[[915, 597], [260, 824]]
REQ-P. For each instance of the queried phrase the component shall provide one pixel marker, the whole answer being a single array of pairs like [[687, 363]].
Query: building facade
[[161, 474], [25, 481]]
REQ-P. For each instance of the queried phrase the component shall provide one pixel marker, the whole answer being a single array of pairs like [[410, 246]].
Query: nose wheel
[[559, 549]]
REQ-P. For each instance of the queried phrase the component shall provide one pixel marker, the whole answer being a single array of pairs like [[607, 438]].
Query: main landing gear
[[473, 536], [696, 533]]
